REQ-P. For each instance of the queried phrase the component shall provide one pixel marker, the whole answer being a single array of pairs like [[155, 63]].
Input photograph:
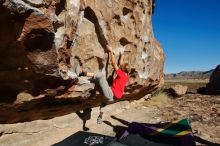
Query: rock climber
[[117, 88]]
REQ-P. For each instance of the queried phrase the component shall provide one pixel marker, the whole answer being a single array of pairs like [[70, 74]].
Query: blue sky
[[189, 32]]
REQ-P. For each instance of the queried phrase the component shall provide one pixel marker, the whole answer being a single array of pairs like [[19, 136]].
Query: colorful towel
[[176, 133]]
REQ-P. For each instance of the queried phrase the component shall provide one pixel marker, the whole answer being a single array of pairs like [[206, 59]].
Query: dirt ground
[[203, 112]]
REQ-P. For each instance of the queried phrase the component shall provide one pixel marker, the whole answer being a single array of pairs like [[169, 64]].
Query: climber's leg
[[107, 91], [100, 77]]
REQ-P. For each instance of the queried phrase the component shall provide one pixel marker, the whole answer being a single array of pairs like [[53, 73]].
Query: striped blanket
[[174, 133]]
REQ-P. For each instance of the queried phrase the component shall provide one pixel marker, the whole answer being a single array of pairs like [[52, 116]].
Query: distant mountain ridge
[[190, 75]]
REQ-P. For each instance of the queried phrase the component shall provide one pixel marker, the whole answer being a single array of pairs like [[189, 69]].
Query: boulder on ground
[[177, 90], [213, 87]]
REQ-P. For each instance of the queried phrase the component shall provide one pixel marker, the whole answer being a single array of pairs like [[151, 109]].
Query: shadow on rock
[[119, 130]]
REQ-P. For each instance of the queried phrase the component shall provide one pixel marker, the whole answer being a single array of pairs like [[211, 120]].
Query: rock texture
[[40, 41], [213, 87]]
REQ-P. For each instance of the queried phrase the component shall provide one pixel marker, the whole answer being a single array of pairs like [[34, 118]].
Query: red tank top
[[119, 83]]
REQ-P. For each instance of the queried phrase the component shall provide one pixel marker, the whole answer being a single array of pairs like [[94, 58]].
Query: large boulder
[[39, 41], [213, 87]]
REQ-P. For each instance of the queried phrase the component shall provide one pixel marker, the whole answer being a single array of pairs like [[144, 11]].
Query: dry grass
[[192, 84], [158, 99]]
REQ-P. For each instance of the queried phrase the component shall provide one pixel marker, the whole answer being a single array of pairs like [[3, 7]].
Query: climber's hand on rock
[[109, 48], [121, 50]]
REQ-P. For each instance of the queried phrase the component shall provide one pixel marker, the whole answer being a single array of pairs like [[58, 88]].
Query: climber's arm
[[121, 61], [114, 64]]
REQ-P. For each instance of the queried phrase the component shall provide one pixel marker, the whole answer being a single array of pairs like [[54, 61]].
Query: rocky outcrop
[[213, 87], [177, 90], [39, 41]]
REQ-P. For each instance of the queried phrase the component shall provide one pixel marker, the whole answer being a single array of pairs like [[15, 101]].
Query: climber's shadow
[[119, 130], [84, 116]]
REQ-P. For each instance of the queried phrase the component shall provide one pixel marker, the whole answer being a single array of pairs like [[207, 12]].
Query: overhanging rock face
[[39, 41]]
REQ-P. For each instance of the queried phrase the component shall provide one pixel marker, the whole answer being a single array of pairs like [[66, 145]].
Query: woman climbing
[[117, 88]]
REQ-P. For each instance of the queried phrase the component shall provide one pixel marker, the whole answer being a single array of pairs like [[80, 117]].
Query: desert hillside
[[189, 75]]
